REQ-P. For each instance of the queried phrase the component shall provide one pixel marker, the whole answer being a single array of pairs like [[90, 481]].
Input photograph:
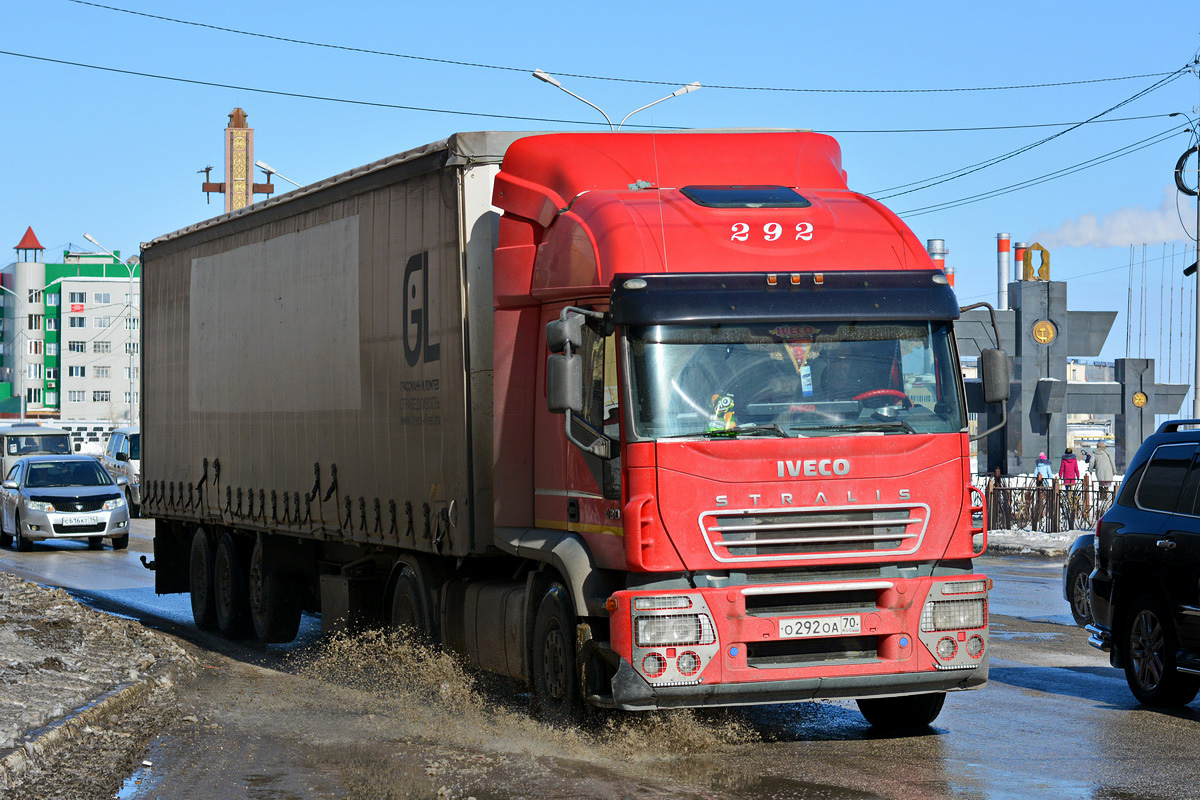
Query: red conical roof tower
[[28, 242]]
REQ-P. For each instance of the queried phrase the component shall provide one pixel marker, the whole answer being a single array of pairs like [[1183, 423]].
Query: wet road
[[1055, 721]]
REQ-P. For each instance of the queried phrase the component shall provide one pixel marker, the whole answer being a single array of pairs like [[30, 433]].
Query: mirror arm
[[1004, 405]]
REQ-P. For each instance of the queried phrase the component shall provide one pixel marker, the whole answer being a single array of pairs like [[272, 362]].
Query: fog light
[[975, 646], [965, 587], [950, 615], [654, 665], [688, 663], [946, 648]]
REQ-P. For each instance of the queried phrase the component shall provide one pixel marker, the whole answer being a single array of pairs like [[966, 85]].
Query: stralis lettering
[[813, 467], [823, 498]]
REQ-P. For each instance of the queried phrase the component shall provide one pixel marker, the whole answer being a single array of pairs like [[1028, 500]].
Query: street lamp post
[[1196, 375], [129, 322], [542, 75]]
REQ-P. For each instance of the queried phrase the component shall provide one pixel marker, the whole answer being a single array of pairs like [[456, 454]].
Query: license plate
[[806, 627], [78, 519]]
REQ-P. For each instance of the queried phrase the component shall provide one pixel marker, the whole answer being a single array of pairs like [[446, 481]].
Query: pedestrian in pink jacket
[[1068, 468]]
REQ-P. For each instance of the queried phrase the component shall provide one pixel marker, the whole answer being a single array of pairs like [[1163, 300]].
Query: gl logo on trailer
[[416, 312]]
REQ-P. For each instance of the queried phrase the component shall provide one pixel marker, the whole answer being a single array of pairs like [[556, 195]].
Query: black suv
[[1145, 595]]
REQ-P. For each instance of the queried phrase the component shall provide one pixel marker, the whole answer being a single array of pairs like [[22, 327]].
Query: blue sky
[[116, 154]]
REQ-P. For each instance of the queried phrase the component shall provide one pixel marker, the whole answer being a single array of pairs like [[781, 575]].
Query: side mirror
[[564, 383], [563, 332], [9, 485], [994, 375], [119, 456], [122, 481]]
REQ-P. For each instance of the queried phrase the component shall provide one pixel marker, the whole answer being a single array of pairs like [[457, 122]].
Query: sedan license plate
[[78, 519], [807, 627]]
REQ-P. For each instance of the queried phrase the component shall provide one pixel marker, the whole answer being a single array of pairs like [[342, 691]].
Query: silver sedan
[[62, 497]]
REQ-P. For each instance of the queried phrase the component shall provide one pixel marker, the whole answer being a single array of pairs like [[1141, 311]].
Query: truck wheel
[[274, 601], [555, 682], [200, 581], [23, 545], [1150, 650], [232, 595], [902, 713], [409, 612], [120, 542]]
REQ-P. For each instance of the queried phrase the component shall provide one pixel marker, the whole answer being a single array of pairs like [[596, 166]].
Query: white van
[[28, 439], [123, 458]]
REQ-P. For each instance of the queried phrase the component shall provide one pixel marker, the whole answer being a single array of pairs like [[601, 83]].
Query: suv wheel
[[1079, 591], [1151, 645]]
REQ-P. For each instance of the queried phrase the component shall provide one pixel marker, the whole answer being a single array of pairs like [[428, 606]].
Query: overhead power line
[[707, 86], [589, 123], [945, 177], [1060, 173]]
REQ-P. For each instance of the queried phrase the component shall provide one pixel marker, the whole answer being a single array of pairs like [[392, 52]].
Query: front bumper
[[42, 525], [631, 692]]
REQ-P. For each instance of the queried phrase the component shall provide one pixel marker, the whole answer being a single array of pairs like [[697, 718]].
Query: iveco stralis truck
[[646, 420]]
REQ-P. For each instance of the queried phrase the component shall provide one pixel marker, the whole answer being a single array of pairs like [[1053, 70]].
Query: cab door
[[9, 498]]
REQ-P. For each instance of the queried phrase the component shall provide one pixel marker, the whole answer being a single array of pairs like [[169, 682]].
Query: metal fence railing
[[1024, 502]]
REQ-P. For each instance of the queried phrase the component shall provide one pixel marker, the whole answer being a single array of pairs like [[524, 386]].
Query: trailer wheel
[[555, 682], [232, 595], [274, 601], [200, 581], [902, 713], [409, 612]]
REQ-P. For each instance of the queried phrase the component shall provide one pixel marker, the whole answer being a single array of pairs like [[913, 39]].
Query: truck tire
[[200, 581], [409, 609], [902, 713], [232, 588], [1150, 648], [274, 601], [552, 658]]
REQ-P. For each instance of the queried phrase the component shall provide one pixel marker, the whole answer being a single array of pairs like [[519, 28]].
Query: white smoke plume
[[1172, 221]]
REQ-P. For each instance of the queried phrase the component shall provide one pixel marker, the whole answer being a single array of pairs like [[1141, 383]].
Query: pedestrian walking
[[1104, 469], [1068, 468], [1042, 469]]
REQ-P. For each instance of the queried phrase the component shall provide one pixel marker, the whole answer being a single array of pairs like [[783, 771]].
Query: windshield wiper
[[860, 426], [734, 432]]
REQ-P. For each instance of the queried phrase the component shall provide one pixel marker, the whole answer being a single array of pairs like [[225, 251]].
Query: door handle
[[1165, 544]]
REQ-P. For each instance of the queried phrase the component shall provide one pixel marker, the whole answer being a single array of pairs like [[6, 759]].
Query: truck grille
[[814, 533], [801, 652]]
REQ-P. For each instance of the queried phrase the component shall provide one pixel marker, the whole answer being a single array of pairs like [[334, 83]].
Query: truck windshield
[[820, 379]]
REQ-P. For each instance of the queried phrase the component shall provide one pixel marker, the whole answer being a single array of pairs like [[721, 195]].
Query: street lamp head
[[691, 87], [542, 75]]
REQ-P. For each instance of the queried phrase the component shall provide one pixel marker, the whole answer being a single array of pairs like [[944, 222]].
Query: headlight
[[38, 505], [675, 629], [115, 503], [952, 615]]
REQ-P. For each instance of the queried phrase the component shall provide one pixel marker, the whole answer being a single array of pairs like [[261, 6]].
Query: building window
[[77, 297], [33, 372], [101, 347], [33, 395], [101, 372], [76, 397], [132, 377], [76, 372], [35, 322], [131, 348], [35, 295], [131, 323], [135, 297], [135, 398], [51, 348], [77, 347], [51, 373], [34, 347], [102, 322], [51, 398], [51, 323], [102, 297], [53, 299], [78, 322], [101, 397]]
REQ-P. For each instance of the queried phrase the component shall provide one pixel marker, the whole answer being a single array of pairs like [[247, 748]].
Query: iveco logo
[[812, 467]]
